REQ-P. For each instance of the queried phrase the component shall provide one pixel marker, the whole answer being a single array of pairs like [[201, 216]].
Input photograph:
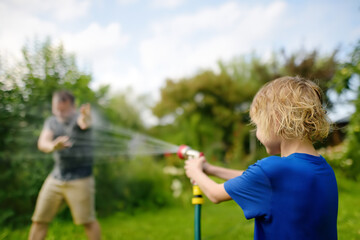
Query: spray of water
[[126, 142], [111, 143]]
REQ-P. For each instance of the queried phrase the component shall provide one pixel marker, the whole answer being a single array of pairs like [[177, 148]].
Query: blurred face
[[63, 110], [271, 143]]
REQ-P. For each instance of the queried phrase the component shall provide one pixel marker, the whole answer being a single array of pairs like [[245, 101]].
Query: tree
[[313, 66], [210, 110], [205, 108], [347, 79], [121, 110]]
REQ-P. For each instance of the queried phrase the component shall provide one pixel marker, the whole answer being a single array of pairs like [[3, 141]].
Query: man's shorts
[[79, 194]]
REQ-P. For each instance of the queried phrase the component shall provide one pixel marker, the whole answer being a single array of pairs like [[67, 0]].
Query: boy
[[291, 196]]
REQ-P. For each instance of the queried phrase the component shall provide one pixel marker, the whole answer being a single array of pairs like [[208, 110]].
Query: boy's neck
[[289, 147]]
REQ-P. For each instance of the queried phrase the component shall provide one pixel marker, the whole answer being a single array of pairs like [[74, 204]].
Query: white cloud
[[60, 10], [16, 26], [186, 43], [99, 47], [167, 3], [120, 80], [126, 2], [155, 3], [213, 19], [96, 47], [69, 9], [20, 21], [173, 47], [96, 42]]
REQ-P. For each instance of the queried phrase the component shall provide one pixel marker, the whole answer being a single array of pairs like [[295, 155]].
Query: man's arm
[[47, 144], [84, 119]]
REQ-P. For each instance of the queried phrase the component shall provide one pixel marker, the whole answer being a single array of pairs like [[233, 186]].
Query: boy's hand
[[61, 143], [194, 166], [206, 167]]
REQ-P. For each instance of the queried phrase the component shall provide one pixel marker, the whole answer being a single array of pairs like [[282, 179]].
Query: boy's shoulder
[[292, 163], [271, 163], [269, 160], [274, 165]]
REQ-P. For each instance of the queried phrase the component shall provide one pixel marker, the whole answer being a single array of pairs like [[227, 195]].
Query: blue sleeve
[[252, 192]]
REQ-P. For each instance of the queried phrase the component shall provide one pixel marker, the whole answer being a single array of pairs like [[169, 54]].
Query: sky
[[141, 43]]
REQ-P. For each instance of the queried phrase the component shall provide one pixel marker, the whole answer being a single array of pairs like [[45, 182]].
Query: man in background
[[67, 135]]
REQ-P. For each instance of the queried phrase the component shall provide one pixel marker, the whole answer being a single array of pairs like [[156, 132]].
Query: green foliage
[[343, 81], [210, 109], [119, 110], [206, 108], [312, 66], [49, 68], [131, 185]]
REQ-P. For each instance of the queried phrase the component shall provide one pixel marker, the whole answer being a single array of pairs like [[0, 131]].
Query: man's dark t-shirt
[[76, 161]]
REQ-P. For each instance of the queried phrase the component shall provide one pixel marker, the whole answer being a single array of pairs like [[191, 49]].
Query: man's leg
[[92, 230], [47, 205], [80, 196], [38, 231]]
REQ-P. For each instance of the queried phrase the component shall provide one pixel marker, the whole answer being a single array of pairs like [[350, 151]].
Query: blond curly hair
[[290, 107]]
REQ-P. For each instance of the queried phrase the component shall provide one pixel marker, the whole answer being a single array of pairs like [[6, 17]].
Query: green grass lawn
[[223, 221]]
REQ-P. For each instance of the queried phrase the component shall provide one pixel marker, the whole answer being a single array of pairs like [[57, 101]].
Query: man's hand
[[61, 143], [47, 144], [84, 120], [194, 166]]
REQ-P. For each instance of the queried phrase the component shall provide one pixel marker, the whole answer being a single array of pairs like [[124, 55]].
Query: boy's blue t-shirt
[[293, 197]]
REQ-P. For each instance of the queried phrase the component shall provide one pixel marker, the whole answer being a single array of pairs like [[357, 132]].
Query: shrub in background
[[130, 185]]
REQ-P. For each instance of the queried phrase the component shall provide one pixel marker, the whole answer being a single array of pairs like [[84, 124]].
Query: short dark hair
[[64, 96]]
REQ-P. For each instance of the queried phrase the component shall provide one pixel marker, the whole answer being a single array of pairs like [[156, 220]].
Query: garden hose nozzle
[[185, 152]]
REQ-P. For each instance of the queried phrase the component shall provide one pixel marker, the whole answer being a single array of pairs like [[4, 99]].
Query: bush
[[342, 158], [130, 185]]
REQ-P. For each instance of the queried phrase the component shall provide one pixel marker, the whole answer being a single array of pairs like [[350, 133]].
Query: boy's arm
[[220, 172], [214, 191], [47, 144], [84, 119]]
